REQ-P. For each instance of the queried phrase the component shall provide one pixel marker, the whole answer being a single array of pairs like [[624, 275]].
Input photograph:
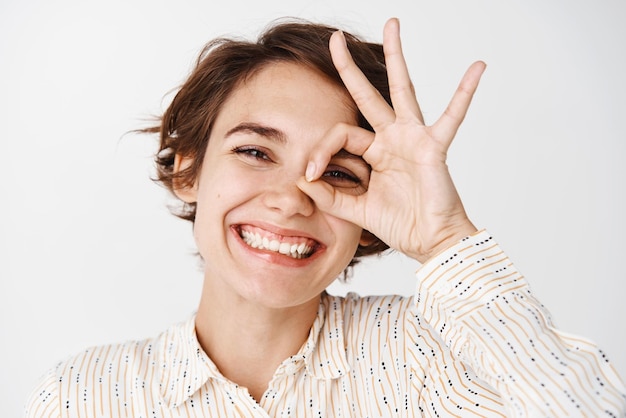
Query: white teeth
[[255, 240], [284, 248]]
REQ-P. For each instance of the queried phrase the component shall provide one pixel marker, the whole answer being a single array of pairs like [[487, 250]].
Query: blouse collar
[[184, 367]]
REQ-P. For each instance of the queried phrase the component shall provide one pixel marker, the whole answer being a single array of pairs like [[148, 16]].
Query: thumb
[[330, 200]]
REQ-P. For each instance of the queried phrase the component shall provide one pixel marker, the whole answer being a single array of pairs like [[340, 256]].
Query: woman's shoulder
[[115, 358], [113, 365]]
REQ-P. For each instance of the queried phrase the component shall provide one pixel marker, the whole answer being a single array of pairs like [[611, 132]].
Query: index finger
[[353, 139]]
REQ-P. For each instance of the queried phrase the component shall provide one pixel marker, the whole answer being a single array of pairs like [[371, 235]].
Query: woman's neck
[[248, 341]]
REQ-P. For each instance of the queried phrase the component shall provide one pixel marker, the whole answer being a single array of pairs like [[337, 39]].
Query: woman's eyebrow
[[262, 130], [277, 135]]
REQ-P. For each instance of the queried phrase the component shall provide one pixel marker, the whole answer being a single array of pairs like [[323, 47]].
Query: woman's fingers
[[353, 139], [400, 87], [448, 123], [341, 139], [405, 106], [369, 101], [336, 203]]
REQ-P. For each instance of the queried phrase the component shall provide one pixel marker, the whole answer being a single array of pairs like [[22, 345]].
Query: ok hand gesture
[[411, 202]]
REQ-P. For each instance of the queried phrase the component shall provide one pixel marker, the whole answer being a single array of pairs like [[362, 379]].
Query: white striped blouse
[[472, 342]]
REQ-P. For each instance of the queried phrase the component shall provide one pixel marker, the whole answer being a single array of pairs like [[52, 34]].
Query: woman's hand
[[411, 202]]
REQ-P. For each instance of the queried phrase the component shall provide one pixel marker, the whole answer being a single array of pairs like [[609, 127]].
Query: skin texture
[[286, 160]]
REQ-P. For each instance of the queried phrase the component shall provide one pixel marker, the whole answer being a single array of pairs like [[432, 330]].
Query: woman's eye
[[252, 152], [340, 177]]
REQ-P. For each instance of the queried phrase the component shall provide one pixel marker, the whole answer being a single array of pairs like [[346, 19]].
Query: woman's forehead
[[290, 87]]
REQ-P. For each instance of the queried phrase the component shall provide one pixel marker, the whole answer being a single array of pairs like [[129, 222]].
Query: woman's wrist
[[447, 239]]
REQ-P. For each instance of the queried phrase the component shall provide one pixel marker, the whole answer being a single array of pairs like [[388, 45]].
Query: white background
[[89, 254]]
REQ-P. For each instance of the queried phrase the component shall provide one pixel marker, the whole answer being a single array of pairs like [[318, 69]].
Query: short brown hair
[[223, 63]]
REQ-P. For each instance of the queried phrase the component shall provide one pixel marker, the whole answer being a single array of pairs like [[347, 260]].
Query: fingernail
[[343, 38], [397, 23], [310, 171]]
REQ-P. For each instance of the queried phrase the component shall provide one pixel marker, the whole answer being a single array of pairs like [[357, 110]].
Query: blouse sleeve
[[485, 313], [43, 401]]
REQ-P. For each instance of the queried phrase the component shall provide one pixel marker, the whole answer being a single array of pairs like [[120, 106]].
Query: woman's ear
[[184, 192]]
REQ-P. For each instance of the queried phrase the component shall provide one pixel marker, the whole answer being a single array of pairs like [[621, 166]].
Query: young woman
[[294, 156]]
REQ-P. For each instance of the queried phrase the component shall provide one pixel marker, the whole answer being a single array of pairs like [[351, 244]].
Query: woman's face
[[262, 238]]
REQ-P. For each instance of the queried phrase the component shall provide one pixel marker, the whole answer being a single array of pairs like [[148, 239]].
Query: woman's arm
[[484, 311], [481, 307]]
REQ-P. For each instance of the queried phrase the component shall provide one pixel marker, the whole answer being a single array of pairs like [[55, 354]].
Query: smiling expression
[[262, 239]]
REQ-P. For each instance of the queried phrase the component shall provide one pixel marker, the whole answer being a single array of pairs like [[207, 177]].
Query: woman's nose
[[284, 196]]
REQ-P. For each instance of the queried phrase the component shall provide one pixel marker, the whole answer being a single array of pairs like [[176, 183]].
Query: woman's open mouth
[[291, 246]]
